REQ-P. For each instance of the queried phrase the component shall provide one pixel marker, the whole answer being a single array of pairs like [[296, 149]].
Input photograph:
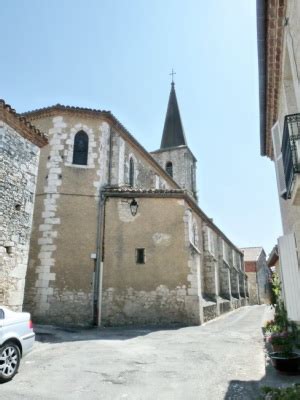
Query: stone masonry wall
[[263, 280], [18, 172], [60, 284], [253, 290], [59, 288], [145, 177], [184, 166], [164, 289]]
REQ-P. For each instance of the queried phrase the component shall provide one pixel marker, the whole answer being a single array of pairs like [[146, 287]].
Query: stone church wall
[[177, 283], [145, 177], [60, 280], [18, 172], [166, 288], [59, 286], [184, 278]]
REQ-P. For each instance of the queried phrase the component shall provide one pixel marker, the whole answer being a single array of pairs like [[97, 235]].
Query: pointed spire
[[173, 134]]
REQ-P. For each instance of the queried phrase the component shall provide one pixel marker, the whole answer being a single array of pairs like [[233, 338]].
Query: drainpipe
[[99, 257], [100, 241]]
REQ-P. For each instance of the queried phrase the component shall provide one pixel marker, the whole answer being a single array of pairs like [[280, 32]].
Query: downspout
[[100, 242], [99, 263]]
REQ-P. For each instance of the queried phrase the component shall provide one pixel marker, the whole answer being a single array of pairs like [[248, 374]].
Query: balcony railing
[[291, 150]]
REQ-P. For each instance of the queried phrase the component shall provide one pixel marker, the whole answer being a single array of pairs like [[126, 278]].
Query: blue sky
[[117, 55]]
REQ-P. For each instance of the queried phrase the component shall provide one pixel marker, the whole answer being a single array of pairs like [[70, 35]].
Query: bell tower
[[174, 155]]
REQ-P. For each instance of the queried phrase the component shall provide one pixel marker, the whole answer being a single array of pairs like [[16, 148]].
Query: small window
[[81, 147], [2, 315], [131, 172], [169, 168], [140, 256]]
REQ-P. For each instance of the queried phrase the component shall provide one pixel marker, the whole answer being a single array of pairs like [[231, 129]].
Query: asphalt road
[[223, 359]]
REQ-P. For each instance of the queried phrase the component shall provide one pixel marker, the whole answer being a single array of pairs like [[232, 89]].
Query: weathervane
[[172, 73]]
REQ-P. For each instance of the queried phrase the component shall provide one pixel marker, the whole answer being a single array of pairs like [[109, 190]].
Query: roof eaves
[[261, 21], [176, 193], [183, 146], [38, 113], [22, 125]]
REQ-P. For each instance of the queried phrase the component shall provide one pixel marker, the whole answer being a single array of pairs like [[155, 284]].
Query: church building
[[118, 237]]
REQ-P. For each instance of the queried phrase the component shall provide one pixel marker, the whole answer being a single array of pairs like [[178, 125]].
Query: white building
[[279, 83]]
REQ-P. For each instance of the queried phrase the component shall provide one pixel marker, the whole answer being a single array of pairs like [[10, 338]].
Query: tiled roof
[[251, 253], [167, 193], [273, 256], [21, 125], [146, 191], [48, 111]]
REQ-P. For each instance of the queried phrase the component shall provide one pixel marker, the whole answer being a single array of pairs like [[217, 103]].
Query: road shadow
[[60, 334]]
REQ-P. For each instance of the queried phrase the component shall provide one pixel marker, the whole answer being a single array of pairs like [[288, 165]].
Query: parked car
[[16, 339]]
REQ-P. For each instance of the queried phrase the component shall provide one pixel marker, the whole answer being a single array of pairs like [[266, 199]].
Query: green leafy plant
[[289, 393], [271, 327], [275, 289], [281, 331], [283, 339]]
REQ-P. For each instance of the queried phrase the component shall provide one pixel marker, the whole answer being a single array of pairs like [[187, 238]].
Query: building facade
[[259, 275], [20, 144], [279, 63], [118, 235]]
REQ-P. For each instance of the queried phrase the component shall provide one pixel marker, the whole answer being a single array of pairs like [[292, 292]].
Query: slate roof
[[22, 125], [251, 253], [173, 133]]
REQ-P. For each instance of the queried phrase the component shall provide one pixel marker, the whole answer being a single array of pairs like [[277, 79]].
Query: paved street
[[223, 359]]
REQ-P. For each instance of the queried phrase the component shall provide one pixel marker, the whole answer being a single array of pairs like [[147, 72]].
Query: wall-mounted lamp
[[134, 207]]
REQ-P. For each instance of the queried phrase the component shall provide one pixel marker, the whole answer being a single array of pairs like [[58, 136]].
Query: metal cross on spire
[[172, 73]]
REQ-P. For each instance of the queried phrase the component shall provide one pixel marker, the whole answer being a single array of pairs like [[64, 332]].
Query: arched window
[[169, 168], [81, 147], [131, 172]]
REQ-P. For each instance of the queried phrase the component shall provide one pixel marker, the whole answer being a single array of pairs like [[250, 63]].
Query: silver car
[[16, 339]]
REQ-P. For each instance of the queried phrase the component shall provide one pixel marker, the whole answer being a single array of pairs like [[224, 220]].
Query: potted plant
[[282, 334], [286, 361], [281, 341]]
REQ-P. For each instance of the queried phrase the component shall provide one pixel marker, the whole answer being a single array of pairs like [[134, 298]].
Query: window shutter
[[278, 160]]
